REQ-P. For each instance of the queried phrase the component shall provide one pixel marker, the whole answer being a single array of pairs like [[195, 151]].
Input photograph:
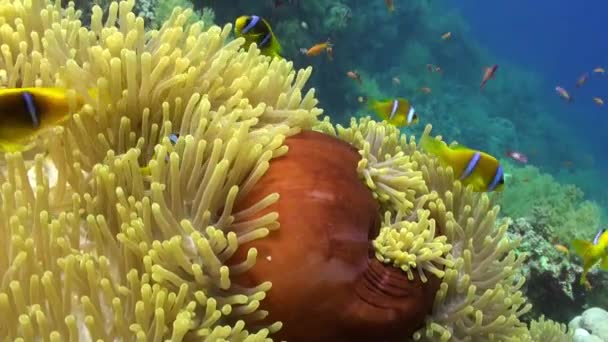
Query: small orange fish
[[425, 90], [582, 80], [354, 75], [396, 81], [599, 70], [316, 49], [488, 73], [562, 248], [598, 101], [390, 5], [446, 36]]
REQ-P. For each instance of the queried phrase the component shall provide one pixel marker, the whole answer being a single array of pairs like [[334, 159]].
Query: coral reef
[[99, 251], [552, 276], [163, 10], [559, 210]]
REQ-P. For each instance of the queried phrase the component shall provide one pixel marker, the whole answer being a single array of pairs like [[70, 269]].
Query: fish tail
[[275, 48]]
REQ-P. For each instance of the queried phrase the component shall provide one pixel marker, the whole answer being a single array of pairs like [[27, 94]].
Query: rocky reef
[[590, 326]]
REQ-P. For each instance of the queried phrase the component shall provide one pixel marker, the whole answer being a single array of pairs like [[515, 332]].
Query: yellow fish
[[397, 112], [592, 252], [478, 169], [257, 30], [25, 113]]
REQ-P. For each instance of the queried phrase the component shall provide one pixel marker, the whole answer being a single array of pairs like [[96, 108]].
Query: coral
[[559, 209], [590, 325], [99, 252], [548, 330], [552, 276], [164, 9]]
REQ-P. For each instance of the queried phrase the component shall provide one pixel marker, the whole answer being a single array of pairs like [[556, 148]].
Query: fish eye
[[247, 21]]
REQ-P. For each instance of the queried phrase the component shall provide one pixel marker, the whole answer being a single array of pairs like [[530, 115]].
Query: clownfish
[[398, 112], [257, 30], [145, 170], [475, 168], [592, 252], [26, 113]]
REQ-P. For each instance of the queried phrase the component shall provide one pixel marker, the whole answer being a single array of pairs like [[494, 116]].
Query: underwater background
[[523, 82], [554, 198], [558, 193]]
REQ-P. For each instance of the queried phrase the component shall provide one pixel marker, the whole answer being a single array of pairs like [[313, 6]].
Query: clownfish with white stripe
[[398, 112], [475, 168], [26, 113], [257, 30]]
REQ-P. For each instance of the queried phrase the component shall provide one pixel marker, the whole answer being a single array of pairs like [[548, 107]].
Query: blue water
[[560, 40]]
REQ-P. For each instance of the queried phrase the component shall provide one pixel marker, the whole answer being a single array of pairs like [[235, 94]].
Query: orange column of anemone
[[326, 282]]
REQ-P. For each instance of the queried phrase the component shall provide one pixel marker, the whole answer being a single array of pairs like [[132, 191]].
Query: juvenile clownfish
[[592, 252], [257, 30], [26, 113], [478, 169], [397, 112], [145, 170]]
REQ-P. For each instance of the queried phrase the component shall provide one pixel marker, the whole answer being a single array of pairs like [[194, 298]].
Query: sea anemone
[[251, 226]]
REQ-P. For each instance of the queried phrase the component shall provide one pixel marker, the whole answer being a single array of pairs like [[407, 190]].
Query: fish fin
[[580, 246], [432, 145], [604, 264], [459, 147], [7, 146]]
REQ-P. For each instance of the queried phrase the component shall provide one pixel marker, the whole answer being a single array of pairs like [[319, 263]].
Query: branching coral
[[100, 252]]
